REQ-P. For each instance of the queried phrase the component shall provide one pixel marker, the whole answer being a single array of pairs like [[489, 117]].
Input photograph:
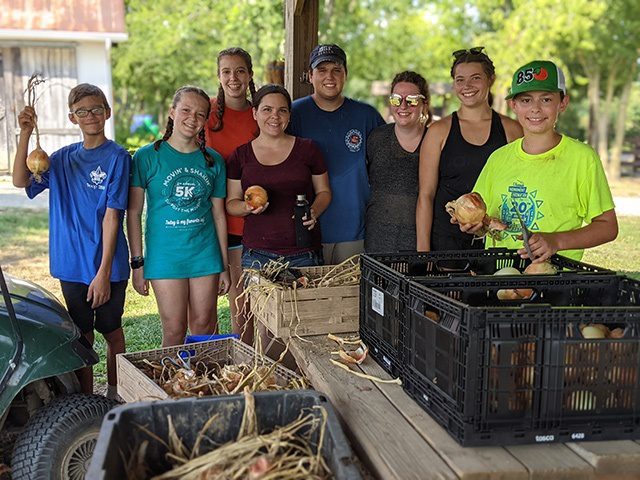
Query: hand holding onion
[[37, 160], [470, 212], [256, 199]]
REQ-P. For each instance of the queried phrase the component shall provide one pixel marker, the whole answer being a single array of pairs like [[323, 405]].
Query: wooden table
[[396, 439]]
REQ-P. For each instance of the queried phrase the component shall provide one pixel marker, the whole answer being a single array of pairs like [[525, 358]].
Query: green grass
[[24, 253], [623, 254], [24, 239]]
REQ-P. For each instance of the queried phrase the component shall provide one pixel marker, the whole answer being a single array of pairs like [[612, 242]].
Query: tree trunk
[[593, 93], [603, 119], [616, 151]]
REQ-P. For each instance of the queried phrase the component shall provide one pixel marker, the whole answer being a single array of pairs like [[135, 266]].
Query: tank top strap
[[455, 134]]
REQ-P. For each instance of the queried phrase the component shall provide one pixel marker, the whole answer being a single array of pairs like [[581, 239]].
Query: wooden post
[[301, 35]]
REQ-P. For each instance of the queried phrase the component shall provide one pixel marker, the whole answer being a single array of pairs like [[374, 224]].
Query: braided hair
[[473, 57], [232, 52], [169, 129], [419, 81]]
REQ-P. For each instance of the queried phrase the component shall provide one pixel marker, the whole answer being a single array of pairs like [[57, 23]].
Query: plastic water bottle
[[302, 212]]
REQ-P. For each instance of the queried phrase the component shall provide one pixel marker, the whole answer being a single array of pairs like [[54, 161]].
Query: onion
[[616, 333], [514, 294], [592, 332], [469, 208], [37, 160], [508, 271], [544, 268], [256, 196], [581, 400]]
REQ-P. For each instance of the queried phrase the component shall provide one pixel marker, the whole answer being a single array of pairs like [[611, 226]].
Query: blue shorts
[[252, 258]]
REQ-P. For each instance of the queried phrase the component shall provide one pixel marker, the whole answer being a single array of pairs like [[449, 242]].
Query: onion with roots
[[470, 208], [37, 160]]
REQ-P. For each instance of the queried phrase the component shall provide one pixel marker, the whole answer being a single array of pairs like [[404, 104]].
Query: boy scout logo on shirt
[[185, 189], [97, 176], [353, 140]]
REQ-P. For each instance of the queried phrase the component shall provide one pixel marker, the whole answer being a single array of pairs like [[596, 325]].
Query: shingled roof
[[84, 18]]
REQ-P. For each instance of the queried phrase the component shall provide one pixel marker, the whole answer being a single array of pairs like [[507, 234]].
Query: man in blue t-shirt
[[88, 183], [340, 126]]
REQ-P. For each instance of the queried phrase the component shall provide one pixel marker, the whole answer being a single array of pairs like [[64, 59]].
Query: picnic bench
[[396, 439]]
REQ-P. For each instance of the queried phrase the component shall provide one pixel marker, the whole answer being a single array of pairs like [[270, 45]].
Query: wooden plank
[[612, 459], [552, 462], [476, 463], [386, 443], [301, 35]]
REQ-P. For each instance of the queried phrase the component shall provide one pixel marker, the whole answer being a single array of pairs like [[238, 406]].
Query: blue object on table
[[186, 354], [206, 338]]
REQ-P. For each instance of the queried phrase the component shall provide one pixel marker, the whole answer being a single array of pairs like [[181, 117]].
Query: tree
[[176, 43]]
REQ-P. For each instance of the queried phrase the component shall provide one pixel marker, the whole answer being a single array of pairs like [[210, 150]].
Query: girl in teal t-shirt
[[185, 253]]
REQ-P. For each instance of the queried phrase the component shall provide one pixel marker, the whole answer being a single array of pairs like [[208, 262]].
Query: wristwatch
[[137, 262]]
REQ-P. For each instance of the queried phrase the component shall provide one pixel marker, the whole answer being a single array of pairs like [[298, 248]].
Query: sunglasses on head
[[473, 51], [395, 99]]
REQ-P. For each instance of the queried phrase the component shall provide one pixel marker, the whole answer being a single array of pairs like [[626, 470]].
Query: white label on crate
[[545, 438], [577, 436], [377, 301], [386, 361]]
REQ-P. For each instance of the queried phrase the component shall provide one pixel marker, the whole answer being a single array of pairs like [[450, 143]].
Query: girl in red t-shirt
[[230, 125]]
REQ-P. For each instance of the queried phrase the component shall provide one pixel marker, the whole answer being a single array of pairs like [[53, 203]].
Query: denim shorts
[[252, 258]]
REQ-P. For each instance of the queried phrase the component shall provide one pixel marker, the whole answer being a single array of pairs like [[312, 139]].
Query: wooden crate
[[320, 310], [134, 385]]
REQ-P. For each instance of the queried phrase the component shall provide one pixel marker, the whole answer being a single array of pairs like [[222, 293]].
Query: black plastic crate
[[384, 287], [466, 262], [121, 433], [505, 372], [382, 307]]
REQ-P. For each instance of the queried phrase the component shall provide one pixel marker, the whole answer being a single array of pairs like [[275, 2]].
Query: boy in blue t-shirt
[[88, 183]]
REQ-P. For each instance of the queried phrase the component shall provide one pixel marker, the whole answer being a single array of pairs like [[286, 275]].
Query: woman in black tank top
[[456, 149]]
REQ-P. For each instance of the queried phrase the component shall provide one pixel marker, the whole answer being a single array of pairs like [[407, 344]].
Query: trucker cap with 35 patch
[[537, 76]]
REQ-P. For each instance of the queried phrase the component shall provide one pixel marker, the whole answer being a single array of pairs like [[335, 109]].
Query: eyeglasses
[[395, 100], [473, 51], [83, 112]]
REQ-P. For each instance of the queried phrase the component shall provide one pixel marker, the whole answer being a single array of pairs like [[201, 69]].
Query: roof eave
[[15, 34]]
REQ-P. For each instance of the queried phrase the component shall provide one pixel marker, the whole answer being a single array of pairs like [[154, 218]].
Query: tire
[[58, 441]]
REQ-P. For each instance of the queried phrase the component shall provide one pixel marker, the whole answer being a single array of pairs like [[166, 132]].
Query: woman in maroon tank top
[[456, 149]]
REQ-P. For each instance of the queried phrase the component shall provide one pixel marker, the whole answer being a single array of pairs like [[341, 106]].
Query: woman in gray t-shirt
[[393, 152]]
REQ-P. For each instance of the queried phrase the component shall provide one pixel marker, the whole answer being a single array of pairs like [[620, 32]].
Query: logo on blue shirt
[[353, 140], [97, 176]]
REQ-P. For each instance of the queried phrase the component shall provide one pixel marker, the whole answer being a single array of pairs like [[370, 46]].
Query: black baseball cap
[[327, 53]]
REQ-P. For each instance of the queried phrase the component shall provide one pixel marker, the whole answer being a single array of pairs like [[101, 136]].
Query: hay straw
[[284, 453]]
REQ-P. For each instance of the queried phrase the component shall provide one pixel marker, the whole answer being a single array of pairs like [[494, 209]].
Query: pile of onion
[[37, 160], [470, 208], [255, 196]]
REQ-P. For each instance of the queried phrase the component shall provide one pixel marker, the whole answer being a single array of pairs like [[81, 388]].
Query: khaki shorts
[[335, 253]]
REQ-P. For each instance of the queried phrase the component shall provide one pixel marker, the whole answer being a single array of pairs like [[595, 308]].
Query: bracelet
[[137, 262]]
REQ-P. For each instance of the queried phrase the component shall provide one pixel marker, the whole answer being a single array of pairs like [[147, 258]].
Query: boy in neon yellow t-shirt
[[556, 183]]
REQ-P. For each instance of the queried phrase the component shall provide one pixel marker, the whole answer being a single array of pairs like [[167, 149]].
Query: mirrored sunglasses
[[83, 112], [395, 100], [472, 51]]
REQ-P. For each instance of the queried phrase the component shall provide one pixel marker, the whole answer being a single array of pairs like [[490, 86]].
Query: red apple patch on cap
[[541, 74]]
